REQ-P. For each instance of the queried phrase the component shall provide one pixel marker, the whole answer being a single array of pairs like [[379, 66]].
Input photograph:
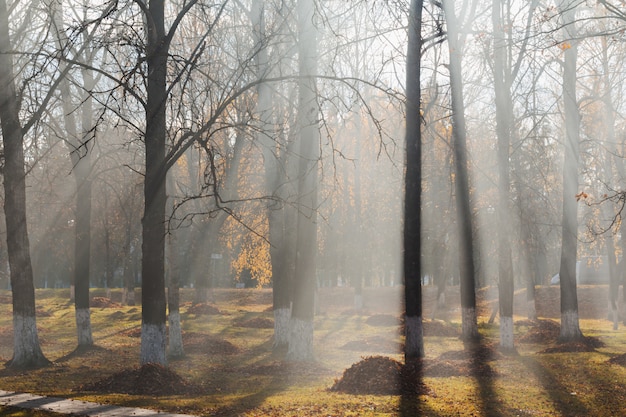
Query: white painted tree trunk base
[[26, 348], [300, 341], [153, 344], [506, 333], [176, 348], [469, 324], [570, 329], [282, 317], [83, 327], [414, 339]]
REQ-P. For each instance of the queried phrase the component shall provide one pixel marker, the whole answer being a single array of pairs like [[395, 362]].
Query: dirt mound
[[373, 344], [103, 302], [540, 331], [383, 320], [150, 379], [379, 375], [204, 343], [586, 344], [203, 309], [256, 323]]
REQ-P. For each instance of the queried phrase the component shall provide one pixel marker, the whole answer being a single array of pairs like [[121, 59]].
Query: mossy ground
[[239, 374]]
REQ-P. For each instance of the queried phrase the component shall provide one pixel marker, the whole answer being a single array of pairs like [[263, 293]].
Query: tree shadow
[[480, 354], [566, 403], [81, 351]]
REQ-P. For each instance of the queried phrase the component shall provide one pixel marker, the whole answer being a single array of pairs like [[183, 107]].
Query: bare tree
[[464, 212], [26, 349], [301, 333], [414, 343], [570, 329]]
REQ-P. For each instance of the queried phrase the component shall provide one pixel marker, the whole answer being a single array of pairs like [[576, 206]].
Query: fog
[[271, 151]]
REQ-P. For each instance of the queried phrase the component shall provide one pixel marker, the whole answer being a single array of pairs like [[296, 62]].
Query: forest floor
[[230, 369]]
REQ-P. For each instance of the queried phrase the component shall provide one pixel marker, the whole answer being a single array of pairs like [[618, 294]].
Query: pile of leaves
[[203, 309], [540, 331], [256, 323], [373, 344], [103, 302], [473, 360], [618, 360], [203, 343], [585, 344], [379, 375], [149, 379], [133, 332]]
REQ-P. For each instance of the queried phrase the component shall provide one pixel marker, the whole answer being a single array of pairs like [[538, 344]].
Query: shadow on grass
[[81, 351], [564, 401], [412, 388], [481, 371]]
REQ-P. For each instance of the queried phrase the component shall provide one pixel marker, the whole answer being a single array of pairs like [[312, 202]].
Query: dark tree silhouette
[[414, 345], [26, 349]]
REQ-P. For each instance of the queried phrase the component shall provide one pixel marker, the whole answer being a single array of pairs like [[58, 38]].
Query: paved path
[[75, 407]]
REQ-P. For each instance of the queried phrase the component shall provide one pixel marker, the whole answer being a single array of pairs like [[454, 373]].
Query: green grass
[[255, 381]]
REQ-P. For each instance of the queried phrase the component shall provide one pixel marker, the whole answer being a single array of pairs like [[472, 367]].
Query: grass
[[254, 381]]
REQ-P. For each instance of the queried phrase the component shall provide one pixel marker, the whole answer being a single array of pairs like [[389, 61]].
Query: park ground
[[230, 368]]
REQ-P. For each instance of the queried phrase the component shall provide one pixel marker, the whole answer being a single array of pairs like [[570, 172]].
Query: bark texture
[[570, 329], [26, 349], [153, 240], [464, 213], [412, 264], [303, 311]]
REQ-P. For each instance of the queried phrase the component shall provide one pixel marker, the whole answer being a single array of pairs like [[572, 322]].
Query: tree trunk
[[570, 329], [464, 213], [609, 123], [273, 180], [301, 332], [26, 349], [153, 330], [504, 119], [78, 146], [414, 342]]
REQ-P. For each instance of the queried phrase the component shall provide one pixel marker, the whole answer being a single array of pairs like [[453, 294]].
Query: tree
[[570, 329], [301, 333], [275, 177], [79, 145], [153, 302], [414, 344], [26, 349], [464, 212], [505, 69]]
